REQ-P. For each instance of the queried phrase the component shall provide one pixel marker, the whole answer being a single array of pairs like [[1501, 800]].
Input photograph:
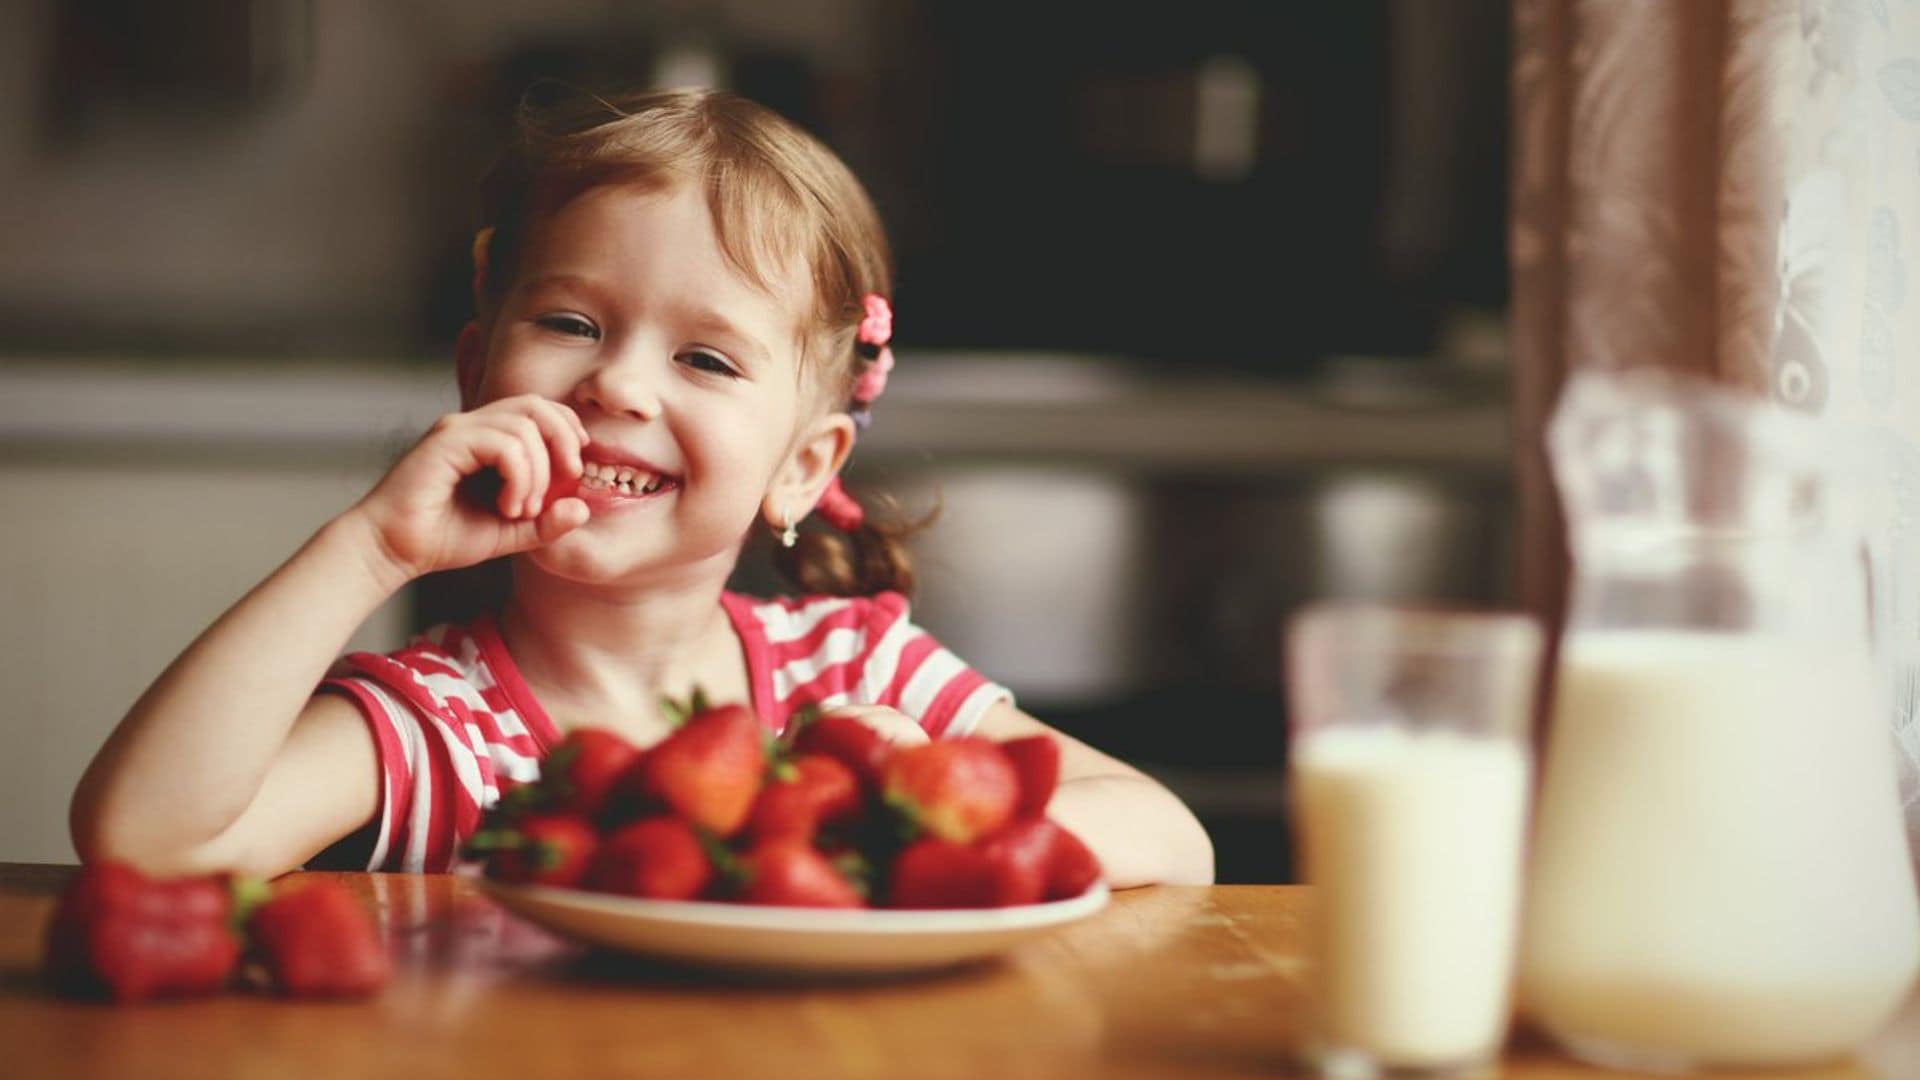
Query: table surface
[[1173, 982]]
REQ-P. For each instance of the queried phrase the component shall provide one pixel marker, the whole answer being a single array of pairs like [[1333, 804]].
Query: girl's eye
[[706, 361], [570, 325]]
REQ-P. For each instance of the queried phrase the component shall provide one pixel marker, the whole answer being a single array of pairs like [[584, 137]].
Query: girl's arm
[[224, 763], [228, 761], [1142, 833]]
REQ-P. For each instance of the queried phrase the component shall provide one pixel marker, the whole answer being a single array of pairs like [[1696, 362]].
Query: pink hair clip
[[873, 381], [876, 328]]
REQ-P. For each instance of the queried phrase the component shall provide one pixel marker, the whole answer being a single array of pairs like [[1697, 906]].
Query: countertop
[[1165, 982]]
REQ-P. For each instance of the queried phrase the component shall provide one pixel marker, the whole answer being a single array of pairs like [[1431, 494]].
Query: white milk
[[1720, 874], [1413, 842]]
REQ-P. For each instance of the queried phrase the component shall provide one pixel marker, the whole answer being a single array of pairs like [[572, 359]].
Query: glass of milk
[[1720, 875], [1409, 760]]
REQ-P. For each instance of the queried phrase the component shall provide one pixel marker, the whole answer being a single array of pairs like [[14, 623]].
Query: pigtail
[[870, 558]]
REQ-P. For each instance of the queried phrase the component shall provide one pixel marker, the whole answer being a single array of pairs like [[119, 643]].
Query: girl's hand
[[896, 727], [424, 514]]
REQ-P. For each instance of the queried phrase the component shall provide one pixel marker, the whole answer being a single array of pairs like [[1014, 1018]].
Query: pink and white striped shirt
[[452, 718]]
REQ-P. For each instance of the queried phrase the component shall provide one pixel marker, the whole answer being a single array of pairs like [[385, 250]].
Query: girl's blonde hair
[[776, 194]]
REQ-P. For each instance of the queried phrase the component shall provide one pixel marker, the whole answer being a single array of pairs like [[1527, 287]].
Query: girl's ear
[[470, 362], [814, 462]]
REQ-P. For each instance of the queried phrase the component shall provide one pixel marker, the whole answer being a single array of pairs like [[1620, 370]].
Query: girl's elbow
[[1193, 863], [99, 835]]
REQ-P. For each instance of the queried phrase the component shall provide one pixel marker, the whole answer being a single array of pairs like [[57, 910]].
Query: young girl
[[681, 328]]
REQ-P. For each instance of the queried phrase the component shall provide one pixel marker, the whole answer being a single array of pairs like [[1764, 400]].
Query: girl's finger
[[506, 453], [557, 454], [539, 467], [564, 516], [525, 432], [565, 437], [573, 422]]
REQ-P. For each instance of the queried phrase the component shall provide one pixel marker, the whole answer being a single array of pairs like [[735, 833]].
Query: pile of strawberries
[[121, 935], [827, 815]]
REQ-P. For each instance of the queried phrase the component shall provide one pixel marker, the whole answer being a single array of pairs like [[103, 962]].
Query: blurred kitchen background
[[1202, 315]]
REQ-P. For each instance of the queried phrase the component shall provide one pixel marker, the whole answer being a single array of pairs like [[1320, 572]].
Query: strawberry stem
[[487, 841], [796, 724], [674, 712], [725, 862], [248, 894]]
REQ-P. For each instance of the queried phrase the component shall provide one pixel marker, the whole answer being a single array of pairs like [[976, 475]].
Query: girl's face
[[626, 310]]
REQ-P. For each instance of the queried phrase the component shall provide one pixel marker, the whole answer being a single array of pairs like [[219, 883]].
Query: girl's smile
[[684, 372], [615, 481]]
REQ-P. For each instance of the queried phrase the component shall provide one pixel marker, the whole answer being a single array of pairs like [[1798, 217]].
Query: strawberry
[[660, 857], [849, 742], [119, 934], [791, 873], [318, 940], [578, 772], [1036, 761], [709, 770], [1021, 856], [955, 789], [1074, 867], [810, 791], [936, 873], [539, 849]]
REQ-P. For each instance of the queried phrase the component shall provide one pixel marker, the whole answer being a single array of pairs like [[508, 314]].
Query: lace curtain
[[1730, 187]]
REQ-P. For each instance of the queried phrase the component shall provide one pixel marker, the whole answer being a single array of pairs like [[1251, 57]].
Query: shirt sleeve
[[906, 669], [435, 773]]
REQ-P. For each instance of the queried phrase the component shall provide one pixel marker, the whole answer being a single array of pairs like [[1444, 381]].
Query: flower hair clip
[[876, 331]]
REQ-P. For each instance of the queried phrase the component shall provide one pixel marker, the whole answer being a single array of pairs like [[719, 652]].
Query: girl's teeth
[[623, 480]]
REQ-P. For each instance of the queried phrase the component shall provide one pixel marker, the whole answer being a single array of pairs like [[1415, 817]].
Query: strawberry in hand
[[955, 789]]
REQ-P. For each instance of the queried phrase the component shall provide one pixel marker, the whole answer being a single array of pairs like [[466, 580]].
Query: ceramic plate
[[792, 941]]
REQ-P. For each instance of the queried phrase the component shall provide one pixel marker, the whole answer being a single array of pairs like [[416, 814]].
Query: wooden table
[[1167, 982]]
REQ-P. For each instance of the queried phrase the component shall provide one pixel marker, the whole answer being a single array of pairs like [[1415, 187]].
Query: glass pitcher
[[1720, 874]]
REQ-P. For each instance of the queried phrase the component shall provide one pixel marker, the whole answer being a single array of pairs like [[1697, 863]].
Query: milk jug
[[1720, 875]]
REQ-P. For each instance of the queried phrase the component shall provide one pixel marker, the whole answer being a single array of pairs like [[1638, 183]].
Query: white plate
[[789, 940]]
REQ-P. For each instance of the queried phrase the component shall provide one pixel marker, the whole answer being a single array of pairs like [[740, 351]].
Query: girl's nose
[[626, 385]]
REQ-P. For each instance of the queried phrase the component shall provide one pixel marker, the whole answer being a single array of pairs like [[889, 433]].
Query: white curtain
[[1731, 187]]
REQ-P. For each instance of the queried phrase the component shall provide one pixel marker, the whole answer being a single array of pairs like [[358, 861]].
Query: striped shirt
[[452, 718]]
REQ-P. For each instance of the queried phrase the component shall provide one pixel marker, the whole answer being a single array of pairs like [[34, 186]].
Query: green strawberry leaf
[[248, 894], [516, 802], [799, 722], [700, 703], [858, 871], [547, 856], [487, 841], [676, 714], [906, 816], [725, 863]]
